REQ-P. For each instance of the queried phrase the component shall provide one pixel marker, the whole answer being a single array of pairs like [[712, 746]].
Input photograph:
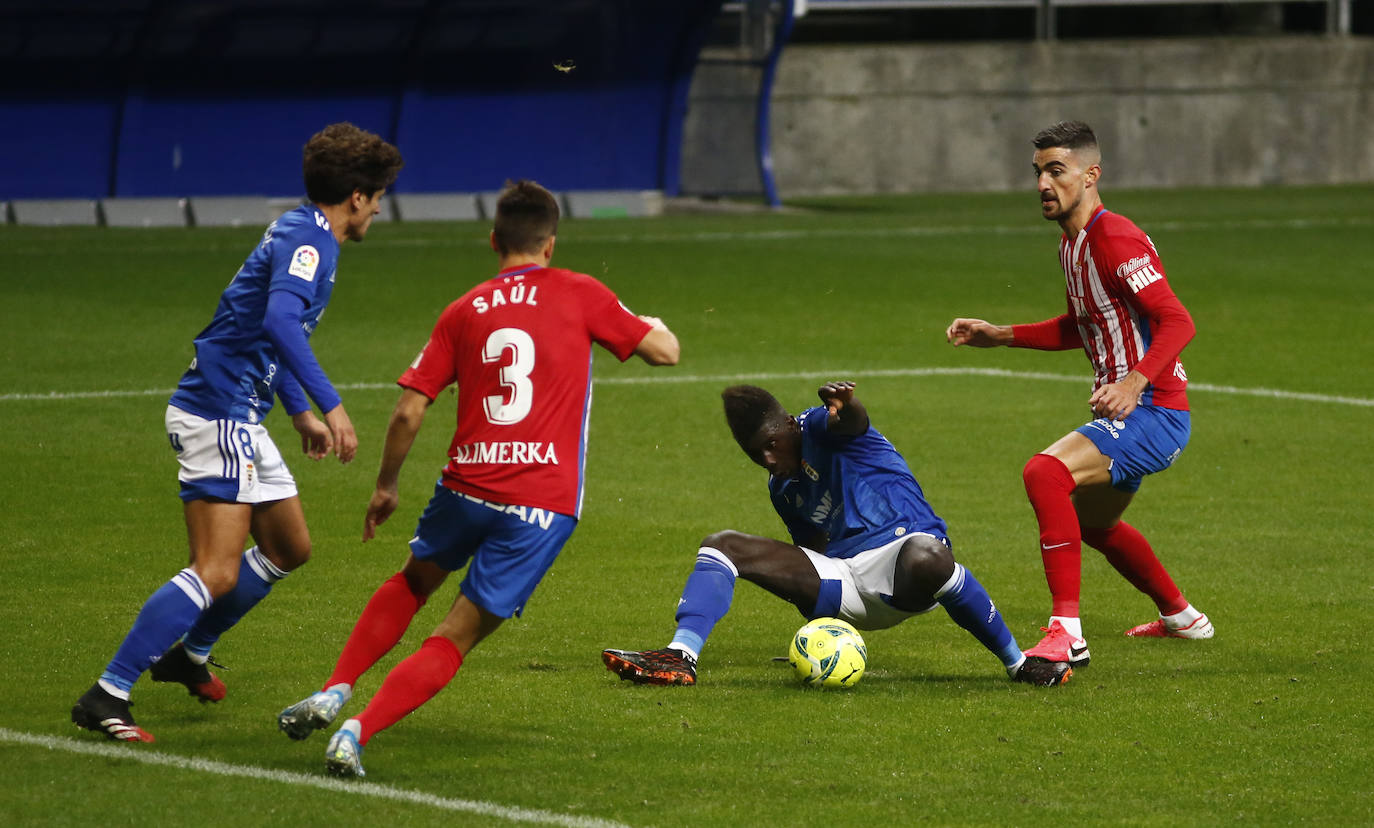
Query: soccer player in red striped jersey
[[1123, 314], [519, 348]]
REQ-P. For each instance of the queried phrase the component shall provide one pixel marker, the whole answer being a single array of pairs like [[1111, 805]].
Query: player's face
[[362, 209], [1062, 178], [778, 449]]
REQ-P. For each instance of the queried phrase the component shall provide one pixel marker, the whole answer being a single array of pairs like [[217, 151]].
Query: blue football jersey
[[236, 369], [858, 491]]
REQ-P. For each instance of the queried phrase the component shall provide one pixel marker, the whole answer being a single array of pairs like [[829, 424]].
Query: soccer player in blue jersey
[[234, 482], [866, 546]]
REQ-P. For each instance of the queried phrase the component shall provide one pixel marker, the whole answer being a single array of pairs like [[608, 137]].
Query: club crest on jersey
[[304, 262], [810, 470]]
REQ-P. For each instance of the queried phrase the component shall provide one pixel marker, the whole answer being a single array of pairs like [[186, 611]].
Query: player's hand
[[383, 503], [978, 333], [345, 443], [1117, 400], [316, 439], [836, 395], [654, 322]]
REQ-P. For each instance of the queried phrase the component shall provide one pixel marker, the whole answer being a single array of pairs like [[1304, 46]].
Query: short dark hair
[[1067, 134], [342, 158], [748, 409], [526, 216]]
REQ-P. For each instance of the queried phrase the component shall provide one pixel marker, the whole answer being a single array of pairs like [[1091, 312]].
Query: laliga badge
[[304, 262]]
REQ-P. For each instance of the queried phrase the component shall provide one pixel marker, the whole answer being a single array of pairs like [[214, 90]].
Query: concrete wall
[[870, 119]]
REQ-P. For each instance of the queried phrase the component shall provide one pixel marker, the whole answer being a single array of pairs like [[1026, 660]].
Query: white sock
[[1072, 626], [1182, 618], [113, 691], [679, 646], [345, 689], [1012, 670]]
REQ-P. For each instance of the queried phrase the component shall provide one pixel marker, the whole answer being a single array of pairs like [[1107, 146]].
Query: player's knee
[[288, 557], [1043, 471], [729, 543], [924, 564], [220, 579]]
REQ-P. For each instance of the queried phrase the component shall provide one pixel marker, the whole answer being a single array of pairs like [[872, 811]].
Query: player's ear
[[492, 239], [548, 248]]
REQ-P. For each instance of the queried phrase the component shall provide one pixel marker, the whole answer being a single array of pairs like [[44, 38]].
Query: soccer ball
[[828, 652]]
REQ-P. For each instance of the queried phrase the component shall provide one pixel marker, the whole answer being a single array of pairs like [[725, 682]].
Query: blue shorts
[[510, 547], [1150, 439]]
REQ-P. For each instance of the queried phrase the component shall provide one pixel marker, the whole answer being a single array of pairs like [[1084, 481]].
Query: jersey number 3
[[515, 377]]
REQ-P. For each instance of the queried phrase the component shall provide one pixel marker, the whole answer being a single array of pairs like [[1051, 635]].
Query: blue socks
[[256, 577], [165, 617], [705, 600], [969, 605]]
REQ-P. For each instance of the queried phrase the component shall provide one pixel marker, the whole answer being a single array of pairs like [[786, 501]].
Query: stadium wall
[[1175, 112]]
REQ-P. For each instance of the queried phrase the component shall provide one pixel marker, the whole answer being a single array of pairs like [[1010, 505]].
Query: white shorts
[[858, 589], [227, 460]]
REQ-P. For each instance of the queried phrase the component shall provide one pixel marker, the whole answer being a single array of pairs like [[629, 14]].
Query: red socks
[[383, 622], [1049, 486], [1130, 553], [410, 684]]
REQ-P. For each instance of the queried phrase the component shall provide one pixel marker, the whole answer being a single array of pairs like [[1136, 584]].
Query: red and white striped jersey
[[519, 347], [1127, 315]]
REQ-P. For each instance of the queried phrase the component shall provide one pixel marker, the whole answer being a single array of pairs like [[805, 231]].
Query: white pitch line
[[671, 378], [138, 753], [594, 236]]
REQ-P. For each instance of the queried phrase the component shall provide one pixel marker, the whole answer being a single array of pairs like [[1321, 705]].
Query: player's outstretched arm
[[659, 346], [978, 333], [847, 414], [406, 420]]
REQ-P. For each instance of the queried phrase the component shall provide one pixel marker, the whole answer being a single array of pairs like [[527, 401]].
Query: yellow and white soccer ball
[[828, 652]]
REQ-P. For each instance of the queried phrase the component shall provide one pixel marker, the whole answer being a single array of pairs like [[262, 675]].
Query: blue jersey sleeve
[[283, 326], [815, 425], [290, 393]]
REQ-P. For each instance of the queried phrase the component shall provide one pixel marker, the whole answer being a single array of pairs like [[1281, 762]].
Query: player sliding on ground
[[1122, 312], [866, 546], [519, 347]]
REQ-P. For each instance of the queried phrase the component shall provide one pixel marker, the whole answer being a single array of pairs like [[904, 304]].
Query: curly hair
[[1070, 135], [526, 216], [748, 409], [342, 158]]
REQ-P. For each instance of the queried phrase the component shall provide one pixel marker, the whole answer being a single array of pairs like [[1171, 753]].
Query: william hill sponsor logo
[[1138, 273]]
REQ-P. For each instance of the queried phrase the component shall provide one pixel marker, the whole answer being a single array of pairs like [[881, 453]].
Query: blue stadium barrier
[[216, 97]]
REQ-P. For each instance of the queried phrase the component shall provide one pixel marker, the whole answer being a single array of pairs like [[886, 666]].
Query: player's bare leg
[[1126, 549], [780, 568], [216, 531], [380, 627], [412, 683], [283, 544]]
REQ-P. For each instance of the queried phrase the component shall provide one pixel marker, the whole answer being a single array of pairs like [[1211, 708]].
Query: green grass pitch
[[1265, 522]]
